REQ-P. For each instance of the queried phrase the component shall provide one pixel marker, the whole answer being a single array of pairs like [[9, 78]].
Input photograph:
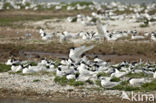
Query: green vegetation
[[7, 5], [12, 20], [64, 81], [152, 20], [152, 12], [102, 74], [36, 80], [82, 3], [144, 87], [89, 82], [98, 82], [149, 86], [18, 72], [39, 73], [33, 63], [136, 75], [143, 25], [126, 11], [4, 68], [115, 79], [125, 86]]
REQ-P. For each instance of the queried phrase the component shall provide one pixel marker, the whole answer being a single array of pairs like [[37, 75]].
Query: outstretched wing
[[82, 50], [78, 49], [101, 28]]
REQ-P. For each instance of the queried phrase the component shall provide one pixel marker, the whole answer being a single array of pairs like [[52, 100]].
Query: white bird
[[153, 37], [84, 59], [43, 62], [75, 53], [96, 59], [44, 35], [12, 61], [60, 72], [84, 73], [136, 81], [134, 37], [28, 35], [15, 68], [27, 70], [106, 83], [102, 29], [9, 62], [71, 76], [41, 32], [154, 75], [119, 74]]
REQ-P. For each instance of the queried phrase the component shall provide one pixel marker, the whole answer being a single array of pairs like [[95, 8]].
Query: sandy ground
[[54, 25], [23, 87], [16, 85]]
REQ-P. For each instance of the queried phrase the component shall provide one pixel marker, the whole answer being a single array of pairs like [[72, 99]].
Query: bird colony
[[79, 68], [143, 14], [101, 34]]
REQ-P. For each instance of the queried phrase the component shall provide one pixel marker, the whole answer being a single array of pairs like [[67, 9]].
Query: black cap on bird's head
[[78, 63], [83, 55], [72, 48], [96, 56], [130, 78], [75, 68], [59, 69], [13, 64], [71, 64], [47, 66], [77, 75], [95, 62], [83, 62], [42, 28], [22, 65], [30, 64], [96, 65], [63, 58], [42, 58]]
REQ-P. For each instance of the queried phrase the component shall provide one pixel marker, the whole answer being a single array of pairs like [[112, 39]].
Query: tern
[[136, 81], [106, 83], [15, 68], [102, 29], [75, 53]]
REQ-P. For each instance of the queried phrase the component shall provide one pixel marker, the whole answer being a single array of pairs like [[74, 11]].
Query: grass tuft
[[102, 74], [98, 82], [149, 86], [4, 68], [115, 79], [64, 81], [90, 82], [36, 80]]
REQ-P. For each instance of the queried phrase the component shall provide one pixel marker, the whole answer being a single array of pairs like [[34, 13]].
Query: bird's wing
[[101, 28], [104, 28], [79, 48], [80, 51]]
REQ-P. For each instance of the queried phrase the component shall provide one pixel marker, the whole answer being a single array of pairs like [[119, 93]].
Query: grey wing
[[99, 28], [78, 49], [104, 28], [78, 54]]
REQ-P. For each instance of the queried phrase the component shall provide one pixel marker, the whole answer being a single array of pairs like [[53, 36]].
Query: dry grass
[[12, 17], [120, 50]]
